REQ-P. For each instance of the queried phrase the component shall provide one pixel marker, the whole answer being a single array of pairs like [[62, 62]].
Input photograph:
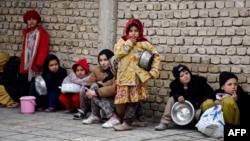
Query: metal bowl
[[40, 85], [146, 60], [70, 88], [182, 113]]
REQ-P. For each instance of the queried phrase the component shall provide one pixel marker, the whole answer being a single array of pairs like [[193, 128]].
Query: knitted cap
[[83, 63], [224, 76], [178, 69], [31, 14]]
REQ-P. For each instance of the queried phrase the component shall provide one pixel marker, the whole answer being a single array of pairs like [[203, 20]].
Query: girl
[[35, 48], [131, 78], [53, 75], [102, 91], [235, 106], [79, 75], [189, 87]]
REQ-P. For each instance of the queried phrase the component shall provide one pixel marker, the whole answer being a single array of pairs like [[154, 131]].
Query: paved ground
[[59, 126]]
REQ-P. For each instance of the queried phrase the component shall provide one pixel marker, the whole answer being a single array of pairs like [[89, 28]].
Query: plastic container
[[28, 104]]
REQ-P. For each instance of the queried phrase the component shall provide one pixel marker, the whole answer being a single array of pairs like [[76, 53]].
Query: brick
[[246, 41], [198, 41], [227, 22], [231, 51], [194, 13], [187, 59], [230, 31], [226, 41], [245, 61], [178, 59], [225, 60], [234, 13], [237, 22], [224, 13], [200, 5], [219, 4], [236, 41]]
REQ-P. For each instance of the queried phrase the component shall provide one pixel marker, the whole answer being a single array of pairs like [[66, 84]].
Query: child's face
[[104, 62], [32, 23], [133, 32], [185, 77], [80, 72], [231, 86], [53, 66]]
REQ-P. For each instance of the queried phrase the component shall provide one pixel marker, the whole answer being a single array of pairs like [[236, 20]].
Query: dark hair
[[106, 52]]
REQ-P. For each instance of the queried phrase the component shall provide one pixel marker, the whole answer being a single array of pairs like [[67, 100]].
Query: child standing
[[35, 48], [79, 75], [53, 75], [131, 78]]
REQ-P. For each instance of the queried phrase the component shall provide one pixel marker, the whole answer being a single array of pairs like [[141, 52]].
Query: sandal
[[50, 109], [13, 105]]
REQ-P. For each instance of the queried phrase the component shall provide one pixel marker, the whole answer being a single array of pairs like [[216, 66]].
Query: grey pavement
[[58, 126]]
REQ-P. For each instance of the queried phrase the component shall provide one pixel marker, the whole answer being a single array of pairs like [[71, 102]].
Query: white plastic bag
[[211, 122]]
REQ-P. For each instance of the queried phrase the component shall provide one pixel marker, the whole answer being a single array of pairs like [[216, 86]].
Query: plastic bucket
[[28, 104]]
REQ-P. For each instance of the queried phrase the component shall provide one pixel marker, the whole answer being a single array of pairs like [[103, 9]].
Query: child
[[131, 78], [53, 75], [35, 48], [79, 75], [102, 91], [235, 106], [189, 87]]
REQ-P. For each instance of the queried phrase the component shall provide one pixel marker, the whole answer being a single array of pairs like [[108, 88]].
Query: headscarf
[[107, 52], [31, 14], [47, 60], [83, 63], [139, 25]]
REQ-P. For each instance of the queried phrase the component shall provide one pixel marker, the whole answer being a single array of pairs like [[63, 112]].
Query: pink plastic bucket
[[28, 104]]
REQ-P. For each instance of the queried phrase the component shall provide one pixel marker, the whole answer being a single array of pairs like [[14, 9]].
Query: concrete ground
[[58, 126]]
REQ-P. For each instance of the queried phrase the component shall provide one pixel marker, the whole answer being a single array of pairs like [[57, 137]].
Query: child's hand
[[181, 99], [90, 93], [217, 102], [133, 40], [235, 96]]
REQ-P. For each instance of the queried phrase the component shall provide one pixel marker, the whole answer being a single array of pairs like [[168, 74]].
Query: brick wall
[[208, 36]]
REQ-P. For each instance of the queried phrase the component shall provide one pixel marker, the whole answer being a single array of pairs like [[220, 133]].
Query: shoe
[[161, 126], [13, 105], [50, 109], [139, 124], [67, 111], [91, 119], [111, 123], [78, 116], [122, 127]]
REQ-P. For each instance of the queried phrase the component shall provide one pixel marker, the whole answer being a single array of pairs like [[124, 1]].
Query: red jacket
[[41, 51]]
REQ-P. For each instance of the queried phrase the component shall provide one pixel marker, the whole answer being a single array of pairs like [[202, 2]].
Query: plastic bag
[[212, 122]]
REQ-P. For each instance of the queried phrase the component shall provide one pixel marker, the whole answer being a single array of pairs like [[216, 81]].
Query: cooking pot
[[70, 88], [182, 113], [146, 60], [40, 85]]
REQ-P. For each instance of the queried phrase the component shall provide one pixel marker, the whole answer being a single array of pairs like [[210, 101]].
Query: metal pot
[[70, 88], [182, 113], [40, 85], [146, 60]]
